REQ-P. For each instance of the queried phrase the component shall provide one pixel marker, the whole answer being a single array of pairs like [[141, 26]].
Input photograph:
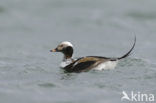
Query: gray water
[[29, 73]]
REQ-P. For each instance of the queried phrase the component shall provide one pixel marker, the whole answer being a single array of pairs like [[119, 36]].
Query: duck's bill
[[53, 50]]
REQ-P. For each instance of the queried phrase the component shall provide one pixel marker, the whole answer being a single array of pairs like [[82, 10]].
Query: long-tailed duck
[[86, 63]]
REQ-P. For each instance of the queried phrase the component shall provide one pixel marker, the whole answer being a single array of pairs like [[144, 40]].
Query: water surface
[[29, 73]]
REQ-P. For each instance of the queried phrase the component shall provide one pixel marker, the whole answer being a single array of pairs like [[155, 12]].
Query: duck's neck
[[66, 57]]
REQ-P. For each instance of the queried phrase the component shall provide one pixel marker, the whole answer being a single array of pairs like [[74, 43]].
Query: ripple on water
[[132, 62], [142, 15], [2, 9], [47, 85]]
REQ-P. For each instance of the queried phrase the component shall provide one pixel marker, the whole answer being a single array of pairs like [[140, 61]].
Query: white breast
[[65, 63], [106, 65]]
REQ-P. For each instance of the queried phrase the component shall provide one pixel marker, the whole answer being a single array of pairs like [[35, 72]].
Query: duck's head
[[66, 48]]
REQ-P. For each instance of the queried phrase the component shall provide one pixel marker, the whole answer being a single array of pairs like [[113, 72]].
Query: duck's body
[[87, 63], [90, 62]]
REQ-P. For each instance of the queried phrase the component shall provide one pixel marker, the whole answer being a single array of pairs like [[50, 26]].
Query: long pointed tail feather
[[128, 53]]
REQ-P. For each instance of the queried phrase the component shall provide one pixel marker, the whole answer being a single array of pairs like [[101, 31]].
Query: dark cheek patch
[[68, 50]]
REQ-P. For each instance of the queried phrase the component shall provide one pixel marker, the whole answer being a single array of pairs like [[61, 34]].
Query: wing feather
[[82, 64]]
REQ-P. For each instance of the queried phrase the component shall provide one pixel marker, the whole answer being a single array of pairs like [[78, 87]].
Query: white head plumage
[[67, 43]]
